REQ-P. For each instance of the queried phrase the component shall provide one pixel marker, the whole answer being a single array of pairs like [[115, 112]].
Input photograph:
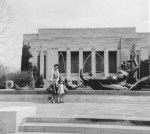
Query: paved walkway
[[92, 110]]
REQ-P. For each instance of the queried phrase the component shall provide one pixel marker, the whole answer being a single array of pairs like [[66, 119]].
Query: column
[[144, 53], [93, 63], [80, 60], [125, 54], [41, 63], [47, 65], [118, 58], [35, 56], [68, 64], [45, 56], [52, 58], [106, 64]]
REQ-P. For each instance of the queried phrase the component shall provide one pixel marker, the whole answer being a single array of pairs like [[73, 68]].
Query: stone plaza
[[84, 112]]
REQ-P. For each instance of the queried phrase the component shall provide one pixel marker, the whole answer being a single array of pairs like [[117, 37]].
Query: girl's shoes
[[58, 101], [62, 101]]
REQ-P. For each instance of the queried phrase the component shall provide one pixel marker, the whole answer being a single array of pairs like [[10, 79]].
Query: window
[[86, 62], [45, 66], [62, 62], [112, 62], [99, 61], [38, 65], [74, 62]]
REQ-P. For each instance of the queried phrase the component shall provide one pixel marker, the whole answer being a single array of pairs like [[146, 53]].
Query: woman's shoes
[[51, 100]]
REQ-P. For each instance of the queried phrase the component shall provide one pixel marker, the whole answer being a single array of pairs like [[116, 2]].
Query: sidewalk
[[91, 110]]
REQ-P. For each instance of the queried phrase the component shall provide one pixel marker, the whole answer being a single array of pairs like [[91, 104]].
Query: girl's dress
[[61, 89]]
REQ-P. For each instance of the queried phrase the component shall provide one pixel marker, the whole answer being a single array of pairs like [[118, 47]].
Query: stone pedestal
[[11, 117], [9, 84], [41, 63]]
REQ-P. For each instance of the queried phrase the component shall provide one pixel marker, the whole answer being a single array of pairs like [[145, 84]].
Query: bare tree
[[8, 38]]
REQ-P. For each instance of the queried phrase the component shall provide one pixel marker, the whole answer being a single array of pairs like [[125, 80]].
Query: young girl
[[61, 91]]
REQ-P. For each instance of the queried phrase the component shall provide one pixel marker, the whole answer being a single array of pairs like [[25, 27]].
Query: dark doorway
[[38, 65], [74, 62], [112, 62], [62, 61]]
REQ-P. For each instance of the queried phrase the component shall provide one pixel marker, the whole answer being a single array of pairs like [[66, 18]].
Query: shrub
[[20, 78], [26, 55], [144, 68], [40, 82], [3, 82]]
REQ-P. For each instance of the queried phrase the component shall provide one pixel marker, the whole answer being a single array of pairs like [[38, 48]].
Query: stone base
[[81, 91], [12, 117]]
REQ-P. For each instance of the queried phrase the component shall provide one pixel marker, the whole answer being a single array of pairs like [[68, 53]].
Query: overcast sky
[[33, 14], [29, 15]]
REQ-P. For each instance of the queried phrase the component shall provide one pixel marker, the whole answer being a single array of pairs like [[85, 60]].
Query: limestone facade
[[98, 50]]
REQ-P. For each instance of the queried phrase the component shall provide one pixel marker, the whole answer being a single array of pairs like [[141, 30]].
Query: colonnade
[[52, 58]]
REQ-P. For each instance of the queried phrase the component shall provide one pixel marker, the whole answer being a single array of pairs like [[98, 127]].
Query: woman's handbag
[[50, 89]]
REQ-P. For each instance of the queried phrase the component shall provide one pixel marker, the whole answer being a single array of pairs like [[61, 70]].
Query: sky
[[29, 15]]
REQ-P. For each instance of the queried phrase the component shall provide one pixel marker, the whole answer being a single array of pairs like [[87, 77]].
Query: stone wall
[[85, 32]]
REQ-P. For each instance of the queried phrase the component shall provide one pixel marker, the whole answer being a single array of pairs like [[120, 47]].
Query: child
[[61, 91]]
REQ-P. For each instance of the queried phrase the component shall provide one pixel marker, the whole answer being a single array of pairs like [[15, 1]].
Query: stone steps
[[80, 95], [79, 125], [103, 120], [40, 133], [83, 128], [113, 112], [43, 98], [81, 91], [79, 118]]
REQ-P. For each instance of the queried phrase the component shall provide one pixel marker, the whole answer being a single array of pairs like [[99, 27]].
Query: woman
[[54, 78]]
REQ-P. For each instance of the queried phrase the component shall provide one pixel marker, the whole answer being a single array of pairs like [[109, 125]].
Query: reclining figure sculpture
[[113, 82], [96, 83]]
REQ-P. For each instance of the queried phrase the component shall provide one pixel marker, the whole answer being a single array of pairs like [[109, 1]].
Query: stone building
[[99, 51]]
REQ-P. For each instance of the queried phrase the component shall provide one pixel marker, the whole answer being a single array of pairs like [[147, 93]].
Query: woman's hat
[[56, 65]]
